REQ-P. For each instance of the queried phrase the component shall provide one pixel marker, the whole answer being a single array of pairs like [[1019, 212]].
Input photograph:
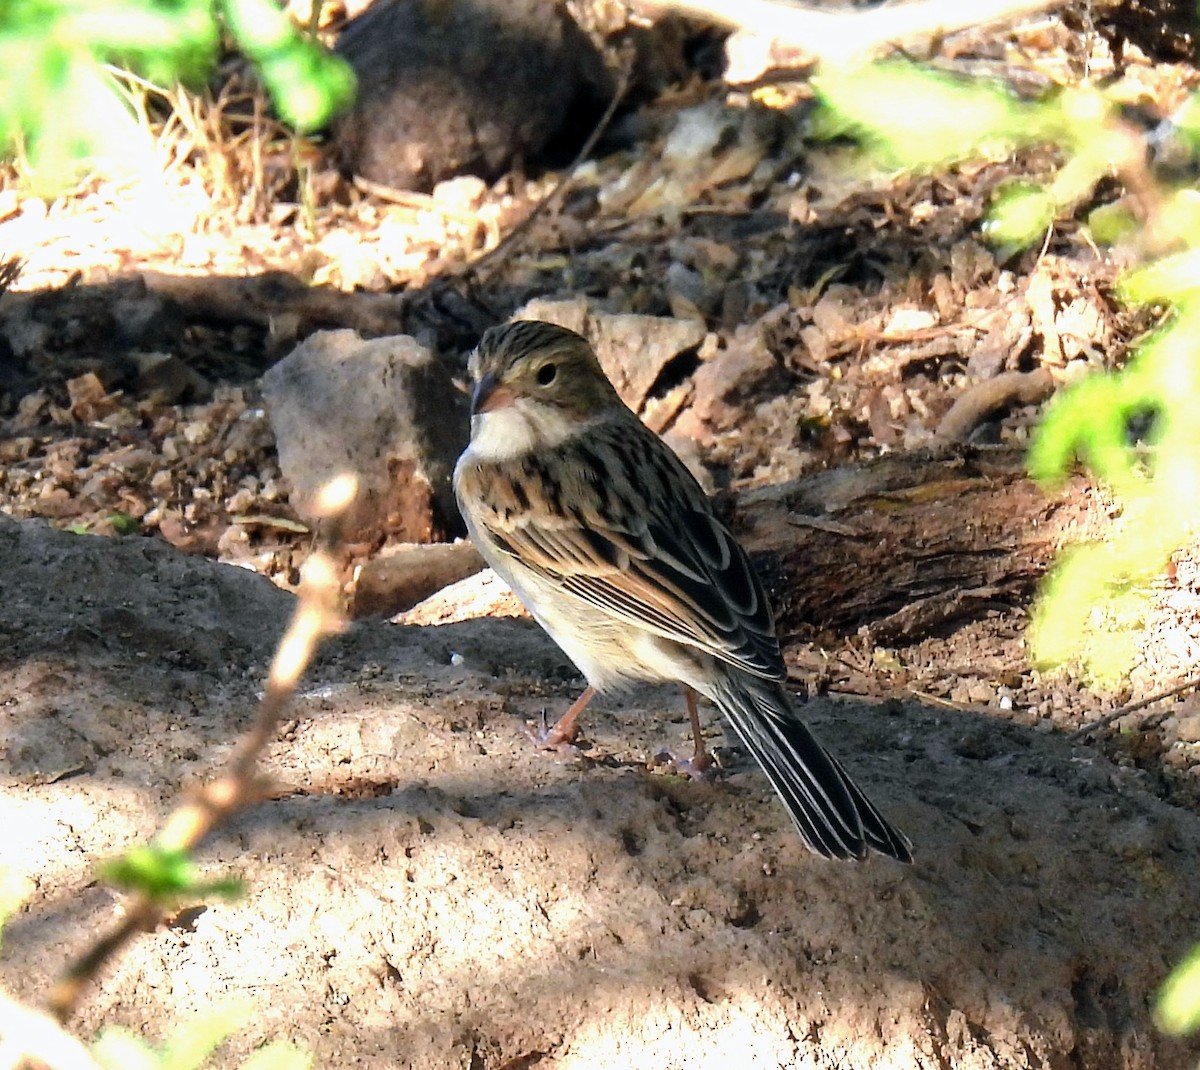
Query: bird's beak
[[490, 395]]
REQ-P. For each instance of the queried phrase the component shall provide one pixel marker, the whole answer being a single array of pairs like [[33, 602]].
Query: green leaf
[[308, 84], [1177, 1008], [1109, 223], [98, 125], [164, 874], [921, 118], [117, 1048], [1020, 214], [151, 870], [1187, 121], [1180, 215], [1091, 607], [13, 892], [190, 1045], [1172, 278], [123, 524], [1088, 421], [61, 109]]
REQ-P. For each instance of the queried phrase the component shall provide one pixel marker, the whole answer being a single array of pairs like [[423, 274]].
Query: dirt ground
[[429, 890], [426, 888]]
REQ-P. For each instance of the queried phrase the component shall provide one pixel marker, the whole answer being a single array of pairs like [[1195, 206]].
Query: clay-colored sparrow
[[613, 547]]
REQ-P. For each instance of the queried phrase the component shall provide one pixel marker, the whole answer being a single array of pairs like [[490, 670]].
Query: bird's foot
[[561, 737], [557, 737], [701, 766]]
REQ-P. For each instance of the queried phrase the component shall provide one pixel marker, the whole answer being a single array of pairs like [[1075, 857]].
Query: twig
[[1133, 707], [844, 36], [10, 271], [493, 256], [318, 614], [978, 402], [407, 198]]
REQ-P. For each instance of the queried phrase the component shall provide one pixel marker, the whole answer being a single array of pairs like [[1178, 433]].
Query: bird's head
[[531, 364]]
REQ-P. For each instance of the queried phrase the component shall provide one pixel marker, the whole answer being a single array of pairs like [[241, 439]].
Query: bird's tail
[[833, 815]]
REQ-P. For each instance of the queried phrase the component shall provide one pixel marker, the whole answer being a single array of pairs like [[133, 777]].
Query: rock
[[383, 409], [103, 592], [687, 449], [723, 381], [1188, 727], [399, 577], [633, 350], [483, 594], [168, 377], [94, 330], [447, 87]]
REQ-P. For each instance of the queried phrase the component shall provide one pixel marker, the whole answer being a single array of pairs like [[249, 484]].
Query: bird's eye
[[546, 374]]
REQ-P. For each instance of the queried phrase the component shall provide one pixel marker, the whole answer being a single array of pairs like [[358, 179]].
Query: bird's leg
[[564, 729], [701, 761]]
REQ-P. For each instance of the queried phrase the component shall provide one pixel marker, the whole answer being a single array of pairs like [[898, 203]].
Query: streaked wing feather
[[675, 570]]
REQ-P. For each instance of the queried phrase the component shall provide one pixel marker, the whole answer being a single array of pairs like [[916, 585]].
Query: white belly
[[611, 653]]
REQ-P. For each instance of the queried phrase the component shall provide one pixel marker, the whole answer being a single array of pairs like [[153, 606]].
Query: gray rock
[[447, 87], [383, 409]]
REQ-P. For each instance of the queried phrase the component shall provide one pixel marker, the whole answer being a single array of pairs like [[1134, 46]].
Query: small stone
[[980, 692], [730, 375], [399, 577], [483, 595], [169, 378], [382, 409]]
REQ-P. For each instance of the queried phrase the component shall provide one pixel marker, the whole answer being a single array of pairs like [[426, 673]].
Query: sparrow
[[614, 549]]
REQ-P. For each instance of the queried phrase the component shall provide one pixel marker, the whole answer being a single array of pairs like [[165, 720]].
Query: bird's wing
[[617, 520]]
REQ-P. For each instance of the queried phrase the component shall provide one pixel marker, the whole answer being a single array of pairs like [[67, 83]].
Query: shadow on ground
[[428, 890]]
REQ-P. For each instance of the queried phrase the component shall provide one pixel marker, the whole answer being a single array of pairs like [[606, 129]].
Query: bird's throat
[[518, 429]]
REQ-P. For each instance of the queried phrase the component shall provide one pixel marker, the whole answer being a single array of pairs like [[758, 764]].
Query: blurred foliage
[[307, 83], [62, 110], [1092, 606], [162, 874], [912, 117], [12, 893], [1093, 603], [190, 1045], [1178, 1006]]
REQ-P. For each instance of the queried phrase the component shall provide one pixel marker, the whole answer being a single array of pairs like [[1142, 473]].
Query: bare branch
[[984, 398], [318, 614], [840, 37]]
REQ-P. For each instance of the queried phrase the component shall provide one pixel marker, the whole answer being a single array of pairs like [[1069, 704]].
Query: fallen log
[[907, 544]]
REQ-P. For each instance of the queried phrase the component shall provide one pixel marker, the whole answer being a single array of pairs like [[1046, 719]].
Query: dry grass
[[217, 141], [225, 188], [209, 162]]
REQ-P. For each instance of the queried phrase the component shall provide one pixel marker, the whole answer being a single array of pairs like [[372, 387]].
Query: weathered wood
[[906, 544]]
